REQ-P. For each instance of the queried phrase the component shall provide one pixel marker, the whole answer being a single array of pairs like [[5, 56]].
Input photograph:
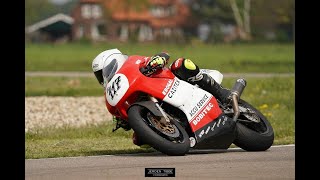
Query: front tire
[[174, 142], [253, 136]]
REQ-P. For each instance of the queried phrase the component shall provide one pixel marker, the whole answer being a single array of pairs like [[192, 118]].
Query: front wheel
[[168, 138], [254, 132]]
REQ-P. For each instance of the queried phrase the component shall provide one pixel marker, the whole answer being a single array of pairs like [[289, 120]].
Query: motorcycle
[[174, 116]]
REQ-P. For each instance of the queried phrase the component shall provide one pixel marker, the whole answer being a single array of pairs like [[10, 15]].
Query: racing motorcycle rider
[[183, 68]]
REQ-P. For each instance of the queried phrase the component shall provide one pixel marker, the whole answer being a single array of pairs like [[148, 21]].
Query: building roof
[[120, 11], [161, 2], [90, 1], [49, 21]]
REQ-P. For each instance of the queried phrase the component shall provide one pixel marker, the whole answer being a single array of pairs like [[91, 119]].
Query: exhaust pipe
[[236, 92]]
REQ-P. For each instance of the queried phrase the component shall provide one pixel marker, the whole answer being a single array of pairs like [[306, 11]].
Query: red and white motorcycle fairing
[[200, 107], [172, 115]]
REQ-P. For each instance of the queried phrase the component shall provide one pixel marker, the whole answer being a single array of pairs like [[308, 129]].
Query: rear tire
[[254, 136], [149, 134]]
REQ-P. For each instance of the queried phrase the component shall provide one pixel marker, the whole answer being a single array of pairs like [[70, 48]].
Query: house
[[156, 20], [90, 21], [56, 28]]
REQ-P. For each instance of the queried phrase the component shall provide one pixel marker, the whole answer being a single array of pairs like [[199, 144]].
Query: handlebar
[[145, 70], [148, 70]]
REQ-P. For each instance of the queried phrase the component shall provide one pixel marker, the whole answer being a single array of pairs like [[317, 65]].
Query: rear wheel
[[254, 131], [167, 137]]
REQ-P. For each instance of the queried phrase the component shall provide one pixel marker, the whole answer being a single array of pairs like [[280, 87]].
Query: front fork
[[165, 119]]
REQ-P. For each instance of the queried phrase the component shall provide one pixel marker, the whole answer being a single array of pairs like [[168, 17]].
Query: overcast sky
[[59, 1]]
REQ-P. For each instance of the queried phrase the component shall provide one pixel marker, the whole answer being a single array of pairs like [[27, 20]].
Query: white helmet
[[106, 64]]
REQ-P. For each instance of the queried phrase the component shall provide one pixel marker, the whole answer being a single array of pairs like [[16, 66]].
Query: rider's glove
[[157, 62]]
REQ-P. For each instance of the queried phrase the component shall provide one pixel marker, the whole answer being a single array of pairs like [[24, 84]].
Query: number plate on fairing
[[116, 88]]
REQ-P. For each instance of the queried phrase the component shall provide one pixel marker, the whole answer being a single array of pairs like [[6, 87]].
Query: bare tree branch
[[243, 24], [236, 13], [246, 16]]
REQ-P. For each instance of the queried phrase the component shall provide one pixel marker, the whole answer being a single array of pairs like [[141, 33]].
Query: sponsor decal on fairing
[[171, 88], [168, 86], [199, 106], [204, 112], [211, 127]]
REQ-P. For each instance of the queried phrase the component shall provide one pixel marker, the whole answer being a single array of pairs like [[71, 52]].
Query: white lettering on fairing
[[203, 113], [195, 109], [166, 89], [173, 89]]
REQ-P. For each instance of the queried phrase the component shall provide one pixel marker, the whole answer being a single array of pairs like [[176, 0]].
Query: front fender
[[150, 105]]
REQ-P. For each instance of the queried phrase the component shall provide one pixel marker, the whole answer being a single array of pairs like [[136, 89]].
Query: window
[[157, 11], [161, 11], [98, 31], [85, 11], [124, 32], [80, 31], [91, 11], [172, 10], [145, 33], [96, 11], [101, 29], [94, 32]]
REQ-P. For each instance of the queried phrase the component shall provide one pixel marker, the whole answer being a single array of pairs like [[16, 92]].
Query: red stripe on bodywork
[[209, 112]]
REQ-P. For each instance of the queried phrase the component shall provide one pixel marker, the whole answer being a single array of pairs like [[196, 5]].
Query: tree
[[253, 18], [274, 16], [213, 14], [37, 10], [243, 21], [212, 10], [67, 7]]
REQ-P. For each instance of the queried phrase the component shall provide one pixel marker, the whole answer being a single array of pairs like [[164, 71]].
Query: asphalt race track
[[278, 162]]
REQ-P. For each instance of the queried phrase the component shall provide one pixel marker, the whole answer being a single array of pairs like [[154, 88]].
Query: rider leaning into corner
[[112, 59]]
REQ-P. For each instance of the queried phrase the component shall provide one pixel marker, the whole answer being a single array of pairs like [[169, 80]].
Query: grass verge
[[83, 141], [225, 57]]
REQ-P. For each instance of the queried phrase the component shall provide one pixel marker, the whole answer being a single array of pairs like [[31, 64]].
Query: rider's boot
[[209, 84], [186, 70]]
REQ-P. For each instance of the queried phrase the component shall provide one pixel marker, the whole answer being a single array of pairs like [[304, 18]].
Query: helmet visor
[[99, 77], [109, 70], [111, 67]]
